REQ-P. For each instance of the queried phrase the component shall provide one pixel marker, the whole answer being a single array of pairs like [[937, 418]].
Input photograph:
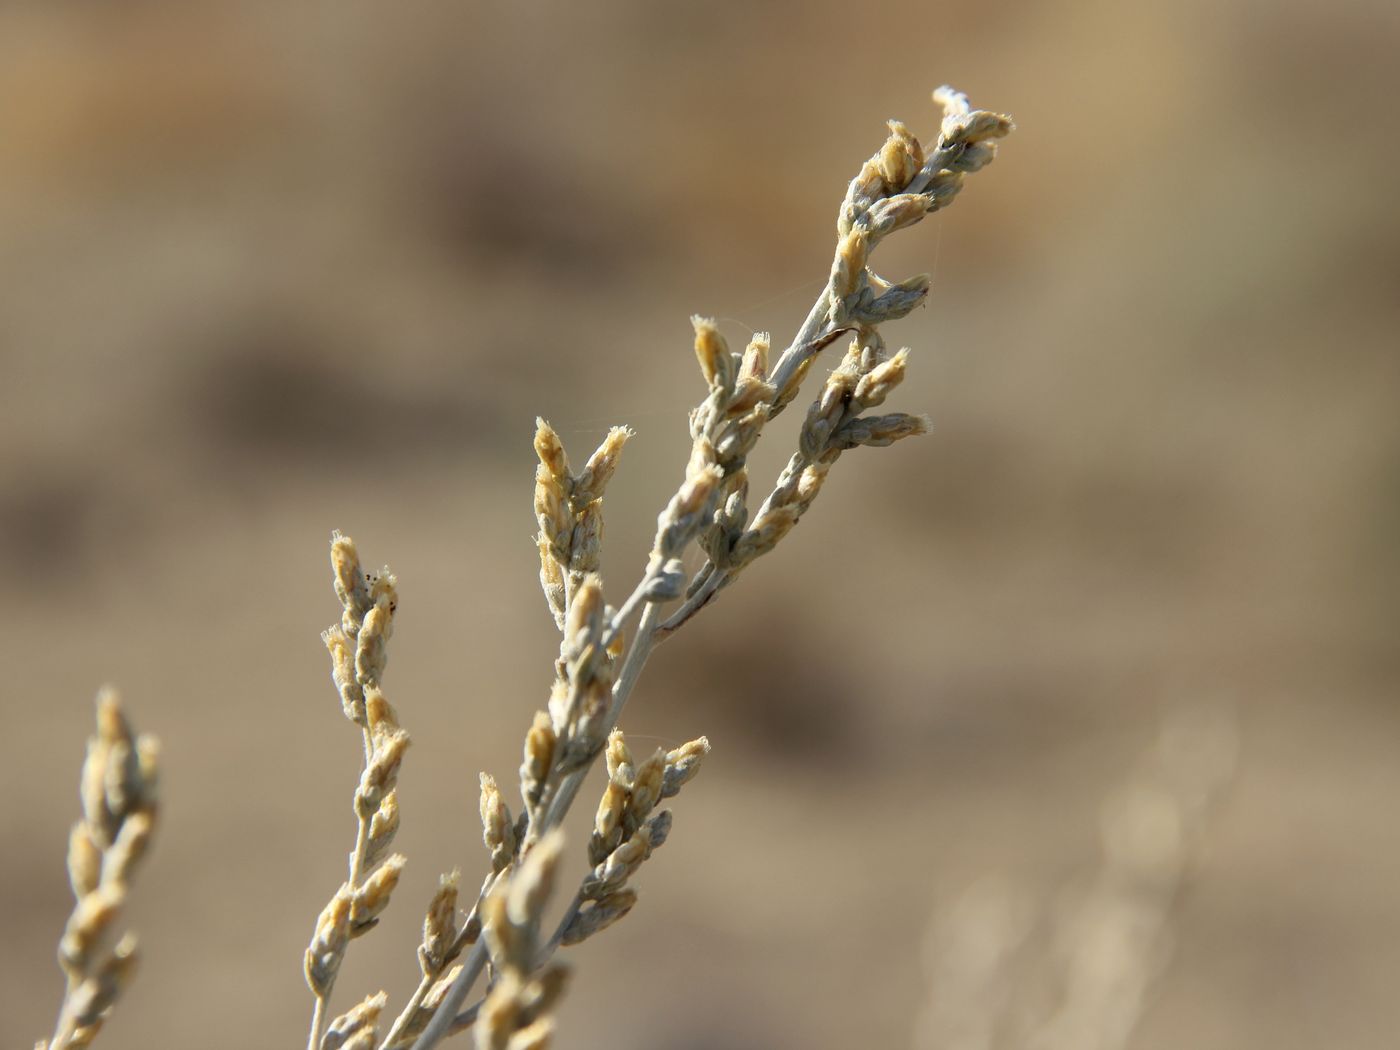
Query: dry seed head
[[384, 590], [371, 650], [607, 824], [551, 512], [559, 703], [897, 213], [361, 1019], [84, 861], [585, 621], [809, 483], [900, 158], [545, 989], [509, 944], [896, 301], [750, 393], [361, 1040], [500, 1013], [687, 511], [619, 759], [95, 996], [379, 713], [601, 466], [132, 841], [373, 897], [112, 726], [586, 544], [598, 915], [352, 698], [539, 756], [849, 264], [976, 156], [712, 352], [831, 405], [976, 127], [498, 830], [123, 779], [953, 101], [876, 385], [552, 581], [90, 921], [770, 527], [537, 1035], [533, 880], [943, 188], [148, 763], [682, 764], [658, 829], [349, 580], [439, 925], [646, 787], [594, 694], [440, 988], [621, 863], [550, 451], [383, 826], [551, 574], [866, 188], [792, 386], [754, 364], [101, 822], [328, 942], [382, 772], [879, 430]]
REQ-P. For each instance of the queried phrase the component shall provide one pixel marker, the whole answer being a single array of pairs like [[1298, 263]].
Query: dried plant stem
[[439, 1027], [807, 343], [354, 882], [415, 1000], [643, 641], [318, 1021], [642, 644], [557, 938], [105, 847], [358, 649], [895, 189], [597, 669]]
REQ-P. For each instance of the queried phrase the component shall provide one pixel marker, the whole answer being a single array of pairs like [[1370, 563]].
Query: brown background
[[270, 269]]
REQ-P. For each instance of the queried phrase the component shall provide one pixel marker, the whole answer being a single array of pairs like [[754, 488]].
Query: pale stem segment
[[640, 648]]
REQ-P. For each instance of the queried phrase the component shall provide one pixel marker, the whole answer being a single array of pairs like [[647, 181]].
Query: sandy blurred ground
[[1161, 358]]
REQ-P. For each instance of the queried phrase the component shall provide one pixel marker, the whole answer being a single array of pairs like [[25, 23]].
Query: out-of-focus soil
[[270, 270]]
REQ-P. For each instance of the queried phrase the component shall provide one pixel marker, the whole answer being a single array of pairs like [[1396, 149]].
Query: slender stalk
[[806, 342], [642, 644], [709, 587], [731, 419], [63, 1028], [557, 938], [632, 665], [415, 1000], [465, 1019], [438, 1027], [940, 158], [357, 874], [426, 984], [318, 1022], [628, 607]]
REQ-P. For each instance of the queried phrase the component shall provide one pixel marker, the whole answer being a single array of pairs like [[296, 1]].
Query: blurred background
[[273, 269]]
